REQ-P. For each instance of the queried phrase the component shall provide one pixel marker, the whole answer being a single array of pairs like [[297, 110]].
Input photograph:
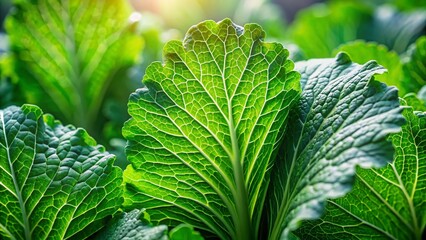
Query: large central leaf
[[204, 130], [55, 183]]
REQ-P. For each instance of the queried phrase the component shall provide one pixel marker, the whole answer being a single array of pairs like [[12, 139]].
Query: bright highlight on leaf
[[55, 182], [387, 203], [341, 121], [204, 131]]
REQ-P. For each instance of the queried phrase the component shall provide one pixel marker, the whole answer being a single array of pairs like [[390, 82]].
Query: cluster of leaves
[[228, 136]]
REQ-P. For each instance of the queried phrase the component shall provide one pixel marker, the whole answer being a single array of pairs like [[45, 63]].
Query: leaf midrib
[[242, 220], [26, 224]]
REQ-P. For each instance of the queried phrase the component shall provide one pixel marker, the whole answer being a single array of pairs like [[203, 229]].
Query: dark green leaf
[[342, 120], [387, 203], [55, 182]]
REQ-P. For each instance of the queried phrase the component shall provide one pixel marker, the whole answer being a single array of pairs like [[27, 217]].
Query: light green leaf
[[66, 53], [203, 132], [362, 52], [133, 225], [415, 66], [387, 203], [185, 232], [55, 182], [415, 101], [342, 120], [321, 28]]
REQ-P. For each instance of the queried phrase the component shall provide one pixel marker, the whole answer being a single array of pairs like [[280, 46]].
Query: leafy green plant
[[227, 139], [223, 123], [205, 132], [341, 121]]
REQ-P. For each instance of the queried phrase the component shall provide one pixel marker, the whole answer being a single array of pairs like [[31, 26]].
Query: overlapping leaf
[[388, 203], [320, 29], [204, 130], [132, 225], [66, 53], [362, 52], [54, 181], [415, 66], [342, 121]]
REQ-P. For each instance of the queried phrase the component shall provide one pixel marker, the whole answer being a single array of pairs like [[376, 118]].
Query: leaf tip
[[343, 58], [29, 108]]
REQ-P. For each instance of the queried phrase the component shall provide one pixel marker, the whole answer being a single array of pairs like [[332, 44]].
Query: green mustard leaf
[[362, 52], [55, 182], [132, 225], [341, 121], [415, 66], [387, 203], [67, 52], [204, 131]]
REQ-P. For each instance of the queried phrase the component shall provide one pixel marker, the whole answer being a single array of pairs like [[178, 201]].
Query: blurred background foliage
[[80, 59]]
